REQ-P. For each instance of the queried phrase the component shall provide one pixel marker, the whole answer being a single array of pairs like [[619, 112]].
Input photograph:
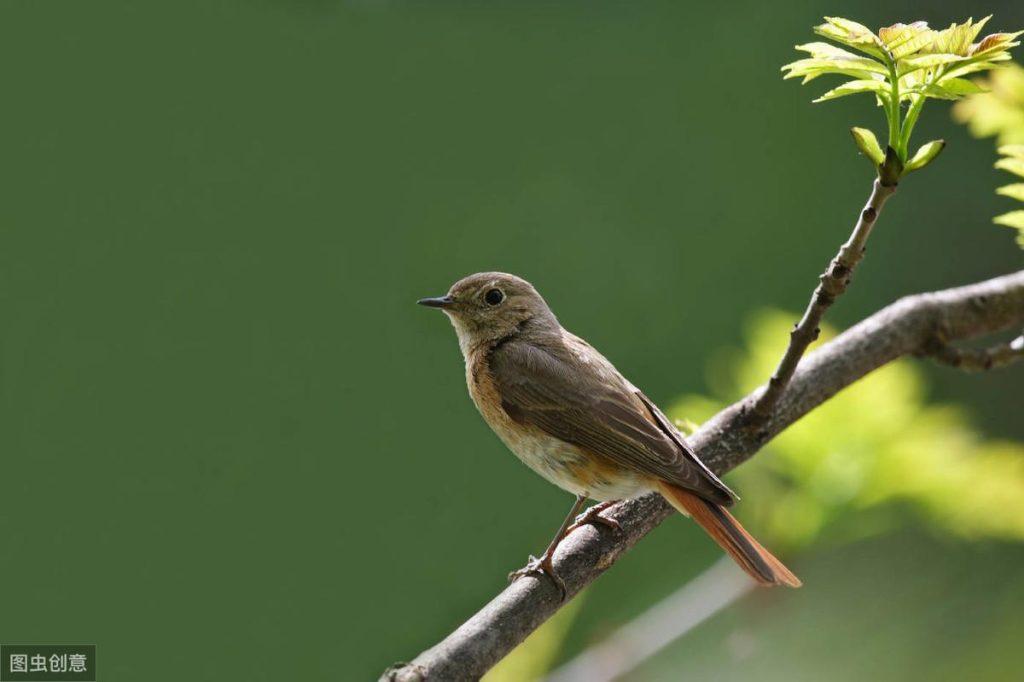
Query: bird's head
[[489, 306]]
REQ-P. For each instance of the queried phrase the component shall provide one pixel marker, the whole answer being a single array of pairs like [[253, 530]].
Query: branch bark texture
[[832, 284], [978, 359], [908, 327]]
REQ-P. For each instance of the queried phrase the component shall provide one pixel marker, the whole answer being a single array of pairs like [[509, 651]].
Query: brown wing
[[588, 404]]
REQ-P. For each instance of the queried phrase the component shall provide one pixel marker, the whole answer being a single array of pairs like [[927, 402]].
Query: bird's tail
[[731, 536]]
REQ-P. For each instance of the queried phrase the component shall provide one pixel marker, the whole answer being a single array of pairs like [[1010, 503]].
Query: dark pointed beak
[[437, 301]]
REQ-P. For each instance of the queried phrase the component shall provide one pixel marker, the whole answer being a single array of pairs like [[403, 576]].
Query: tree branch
[[904, 328], [974, 359], [832, 284]]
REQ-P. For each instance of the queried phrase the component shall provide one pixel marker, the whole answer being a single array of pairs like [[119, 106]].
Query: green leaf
[[905, 39], [961, 86], [1013, 219], [858, 67], [927, 61], [854, 87], [976, 27], [835, 64], [1011, 164], [936, 91], [972, 66], [1014, 191], [867, 143], [821, 50], [954, 40], [852, 34], [852, 28], [925, 155]]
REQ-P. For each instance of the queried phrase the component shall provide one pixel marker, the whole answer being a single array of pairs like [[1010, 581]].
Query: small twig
[[976, 359], [722, 442], [832, 284]]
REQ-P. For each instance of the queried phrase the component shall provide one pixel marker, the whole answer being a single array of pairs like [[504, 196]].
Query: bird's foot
[[593, 515], [543, 566]]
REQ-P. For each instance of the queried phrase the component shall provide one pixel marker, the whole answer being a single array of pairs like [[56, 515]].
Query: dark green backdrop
[[232, 447]]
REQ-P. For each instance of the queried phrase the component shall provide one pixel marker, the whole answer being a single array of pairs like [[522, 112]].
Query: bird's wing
[[587, 403], [669, 429]]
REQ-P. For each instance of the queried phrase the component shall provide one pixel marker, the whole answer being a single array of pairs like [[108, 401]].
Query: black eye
[[494, 297]]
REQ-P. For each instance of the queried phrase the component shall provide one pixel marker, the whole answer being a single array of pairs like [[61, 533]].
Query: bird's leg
[[543, 564], [593, 515]]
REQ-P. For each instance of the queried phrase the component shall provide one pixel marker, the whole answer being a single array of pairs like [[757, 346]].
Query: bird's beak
[[437, 302]]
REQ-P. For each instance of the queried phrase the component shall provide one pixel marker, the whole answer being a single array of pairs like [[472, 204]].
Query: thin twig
[[976, 359], [832, 284], [723, 442]]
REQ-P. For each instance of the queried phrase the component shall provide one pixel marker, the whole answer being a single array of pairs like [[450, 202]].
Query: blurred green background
[[232, 447]]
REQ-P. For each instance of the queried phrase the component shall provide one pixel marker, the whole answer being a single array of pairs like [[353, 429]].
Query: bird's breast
[[561, 463]]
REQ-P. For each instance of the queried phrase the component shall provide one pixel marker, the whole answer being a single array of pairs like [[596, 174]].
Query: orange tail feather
[[731, 536]]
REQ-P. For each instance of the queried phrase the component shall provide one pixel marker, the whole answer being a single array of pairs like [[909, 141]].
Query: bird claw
[[592, 516], [541, 566]]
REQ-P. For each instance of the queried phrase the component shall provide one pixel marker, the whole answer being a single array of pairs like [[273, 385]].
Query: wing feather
[[590, 405]]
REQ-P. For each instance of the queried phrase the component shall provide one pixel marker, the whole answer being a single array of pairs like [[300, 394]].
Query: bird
[[564, 410]]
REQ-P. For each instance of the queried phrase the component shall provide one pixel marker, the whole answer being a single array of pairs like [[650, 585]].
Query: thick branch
[[832, 285], [977, 359], [903, 328]]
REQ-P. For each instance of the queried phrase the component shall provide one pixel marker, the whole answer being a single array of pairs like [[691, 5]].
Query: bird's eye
[[494, 297]]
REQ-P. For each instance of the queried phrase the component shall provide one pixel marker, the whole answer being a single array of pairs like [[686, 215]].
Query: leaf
[[851, 27], [927, 61], [1013, 219], [821, 50], [858, 67], [925, 155], [954, 40], [834, 64], [970, 66], [852, 34], [976, 28], [905, 39], [960, 86], [1011, 164], [854, 87], [995, 42], [1014, 191], [867, 143], [936, 91]]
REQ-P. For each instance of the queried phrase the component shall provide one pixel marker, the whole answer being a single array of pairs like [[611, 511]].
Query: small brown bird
[[566, 412]]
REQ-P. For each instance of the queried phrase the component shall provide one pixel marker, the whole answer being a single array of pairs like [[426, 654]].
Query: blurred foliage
[[874, 457], [999, 111], [901, 63], [1012, 161]]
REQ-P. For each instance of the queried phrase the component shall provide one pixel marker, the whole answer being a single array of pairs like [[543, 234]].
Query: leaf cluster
[[1012, 161], [1000, 112], [902, 64]]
